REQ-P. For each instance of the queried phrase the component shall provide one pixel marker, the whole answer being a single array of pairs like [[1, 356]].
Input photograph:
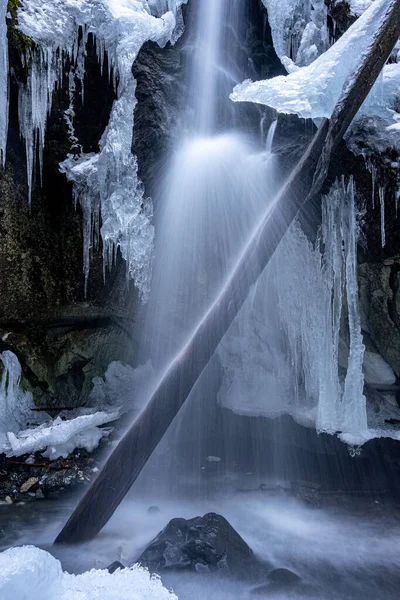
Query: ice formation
[[106, 184], [286, 337], [28, 569], [357, 7], [60, 438], [381, 193], [15, 404], [3, 82], [312, 91], [299, 30], [121, 386], [56, 438]]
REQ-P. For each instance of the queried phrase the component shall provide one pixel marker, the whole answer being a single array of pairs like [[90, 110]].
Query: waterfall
[[204, 78], [283, 354], [215, 187]]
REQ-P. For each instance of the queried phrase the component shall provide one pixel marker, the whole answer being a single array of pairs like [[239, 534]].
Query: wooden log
[[131, 454]]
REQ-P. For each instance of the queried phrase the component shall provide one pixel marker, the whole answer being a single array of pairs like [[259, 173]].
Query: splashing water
[[216, 189]]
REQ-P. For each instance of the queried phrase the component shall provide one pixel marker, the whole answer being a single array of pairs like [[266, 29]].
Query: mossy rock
[[19, 43]]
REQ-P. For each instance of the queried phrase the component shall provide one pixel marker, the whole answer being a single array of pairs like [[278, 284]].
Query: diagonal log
[[131, 454]]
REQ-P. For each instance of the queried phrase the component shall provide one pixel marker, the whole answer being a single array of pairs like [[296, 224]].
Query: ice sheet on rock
[[60, 438], [299, 30], [27, 569], [312, 91], [111, 188], [122, 386], [15, 404], [4, 98], [376, 128]]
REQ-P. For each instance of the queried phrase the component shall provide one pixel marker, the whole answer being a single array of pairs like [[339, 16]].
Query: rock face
[[62, 338], [202, 544], [380, 308]]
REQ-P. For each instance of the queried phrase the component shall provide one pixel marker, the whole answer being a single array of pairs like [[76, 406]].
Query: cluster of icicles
[[105, 184]]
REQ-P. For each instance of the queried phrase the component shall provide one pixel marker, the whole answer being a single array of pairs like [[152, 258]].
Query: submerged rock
[[279, 580], [115, 566], [202, 544]]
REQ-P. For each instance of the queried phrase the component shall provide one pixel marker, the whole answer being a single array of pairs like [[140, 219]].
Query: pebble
[[25, 487]]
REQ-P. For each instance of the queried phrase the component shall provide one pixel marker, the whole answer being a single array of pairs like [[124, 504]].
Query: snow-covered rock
[[312, 91], [29, 572]]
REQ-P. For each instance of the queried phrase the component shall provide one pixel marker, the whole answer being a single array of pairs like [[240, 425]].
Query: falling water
[[215, 187]]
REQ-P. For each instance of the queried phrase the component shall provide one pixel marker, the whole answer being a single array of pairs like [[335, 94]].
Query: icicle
[[381, 192], [373, 176], [354, 419], [15, 404], [4, 85], [34, 106]]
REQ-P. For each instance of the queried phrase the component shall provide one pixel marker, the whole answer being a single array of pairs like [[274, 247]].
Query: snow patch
[[358, 7], [28, 569], [59, 437]]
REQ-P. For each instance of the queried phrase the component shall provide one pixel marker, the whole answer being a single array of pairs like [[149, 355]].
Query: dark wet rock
[[283, 577], [202, 544], [41, 478], [307, 492], [380, 308], [152, 510], [279, 580], [115, 566], [340, 17]]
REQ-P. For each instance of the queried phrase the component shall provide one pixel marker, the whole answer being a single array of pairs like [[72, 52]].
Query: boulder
[[202, 544]]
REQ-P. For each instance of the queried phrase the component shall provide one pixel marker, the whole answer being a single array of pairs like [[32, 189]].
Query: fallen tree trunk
[[131, 454]]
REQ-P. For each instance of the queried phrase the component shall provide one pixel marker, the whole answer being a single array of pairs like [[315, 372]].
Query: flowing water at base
[[339, 554]]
